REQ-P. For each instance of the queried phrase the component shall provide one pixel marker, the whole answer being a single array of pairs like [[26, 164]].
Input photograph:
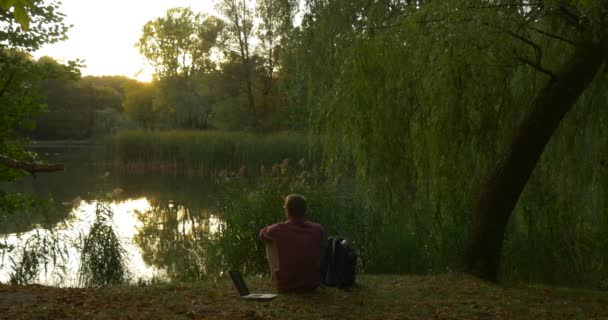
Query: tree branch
[[30, 167], [536, 66], [537, 48], [554, 36], [507, 5], [389, 26]]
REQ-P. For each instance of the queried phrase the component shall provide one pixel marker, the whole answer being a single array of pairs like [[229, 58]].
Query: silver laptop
[[240, 285]]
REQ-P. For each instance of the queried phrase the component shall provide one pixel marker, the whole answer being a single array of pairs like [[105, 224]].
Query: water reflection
[[178, 240], [84, 177], [68, 234], [162, 239], [166, 223]]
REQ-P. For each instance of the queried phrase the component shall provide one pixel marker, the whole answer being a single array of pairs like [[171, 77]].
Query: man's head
[[295, 206]]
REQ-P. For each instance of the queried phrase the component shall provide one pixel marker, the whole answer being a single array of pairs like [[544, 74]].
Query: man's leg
[[271, 256]]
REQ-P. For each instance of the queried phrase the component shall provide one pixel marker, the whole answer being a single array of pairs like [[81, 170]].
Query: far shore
[[64, 143]]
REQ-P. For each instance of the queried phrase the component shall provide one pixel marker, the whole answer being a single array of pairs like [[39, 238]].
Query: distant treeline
[[208, 74], [82, 108]]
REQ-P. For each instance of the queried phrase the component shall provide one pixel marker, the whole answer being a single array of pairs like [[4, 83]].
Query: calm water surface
[[153, 215]]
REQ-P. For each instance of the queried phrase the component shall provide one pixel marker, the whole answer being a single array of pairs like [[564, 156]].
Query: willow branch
[[554, 36], [30, 167], [536, 66], [508, 5]]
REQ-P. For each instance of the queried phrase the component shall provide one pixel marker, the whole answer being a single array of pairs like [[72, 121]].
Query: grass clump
[[102, 257], [44, 253]]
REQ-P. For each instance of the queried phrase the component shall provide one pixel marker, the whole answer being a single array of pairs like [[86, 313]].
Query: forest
[[462, 145]]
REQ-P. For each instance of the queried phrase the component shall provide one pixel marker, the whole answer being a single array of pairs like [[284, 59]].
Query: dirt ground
[[375, 297]]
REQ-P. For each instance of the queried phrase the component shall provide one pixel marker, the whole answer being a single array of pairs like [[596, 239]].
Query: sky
[[104, 34]]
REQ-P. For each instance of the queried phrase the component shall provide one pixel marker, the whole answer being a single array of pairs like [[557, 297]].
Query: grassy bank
[[376, 297], [203, 152]]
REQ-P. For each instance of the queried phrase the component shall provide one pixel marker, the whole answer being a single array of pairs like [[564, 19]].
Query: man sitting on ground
[[293, 248]]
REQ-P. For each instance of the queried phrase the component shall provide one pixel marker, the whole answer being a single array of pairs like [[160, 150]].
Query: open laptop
[[240, 285]]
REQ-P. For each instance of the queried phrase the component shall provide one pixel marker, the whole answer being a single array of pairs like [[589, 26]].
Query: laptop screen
[[239, 283]]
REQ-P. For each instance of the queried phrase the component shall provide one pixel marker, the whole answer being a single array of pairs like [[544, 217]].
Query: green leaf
[[21, 16], [6, 4]]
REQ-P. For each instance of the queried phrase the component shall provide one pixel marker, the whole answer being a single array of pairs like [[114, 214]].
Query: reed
[[408, 239], [202, 152], [103, 260]]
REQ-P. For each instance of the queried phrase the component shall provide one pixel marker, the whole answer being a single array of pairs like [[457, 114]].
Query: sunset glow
[[104, 34]]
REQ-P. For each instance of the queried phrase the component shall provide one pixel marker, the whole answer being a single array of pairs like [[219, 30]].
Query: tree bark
[[501, 191], [30, 167]]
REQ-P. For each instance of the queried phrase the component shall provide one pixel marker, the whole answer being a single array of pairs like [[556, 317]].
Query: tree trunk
[[502, 189], [250, 96]]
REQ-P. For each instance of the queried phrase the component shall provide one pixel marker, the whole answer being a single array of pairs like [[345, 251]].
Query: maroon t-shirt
[[298, 243]]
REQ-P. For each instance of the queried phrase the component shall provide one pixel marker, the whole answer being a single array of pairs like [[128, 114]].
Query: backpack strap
[[330, 272]]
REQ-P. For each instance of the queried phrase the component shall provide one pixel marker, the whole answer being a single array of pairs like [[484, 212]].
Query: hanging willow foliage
[[417, 99]]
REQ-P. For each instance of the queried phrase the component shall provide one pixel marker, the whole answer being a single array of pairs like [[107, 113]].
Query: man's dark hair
[[295, 205]]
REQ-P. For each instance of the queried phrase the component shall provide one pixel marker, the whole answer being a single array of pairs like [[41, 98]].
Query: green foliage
[[19, 73], [19, 212], [102, 257], [384, 246], [416, 99], [561, 217], [179, 44], [109, 121], [231, 114], [31, 24], [184, 103], [209, 73], [276, 23], [20, 8], [139, 104], [17, 68], [118, 83], [79, 108], [20, 97], [39, 23]]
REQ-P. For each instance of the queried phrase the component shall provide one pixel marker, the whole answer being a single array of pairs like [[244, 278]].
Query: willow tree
[[423, 96], [583, 28]]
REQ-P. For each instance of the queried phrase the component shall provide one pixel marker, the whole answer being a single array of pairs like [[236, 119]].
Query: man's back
[[298, 244]]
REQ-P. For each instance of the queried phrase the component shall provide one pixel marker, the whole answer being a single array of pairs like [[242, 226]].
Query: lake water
[[154, 216]]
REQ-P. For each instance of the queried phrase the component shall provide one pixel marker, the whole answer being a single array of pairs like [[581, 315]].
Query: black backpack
[[339, 263]]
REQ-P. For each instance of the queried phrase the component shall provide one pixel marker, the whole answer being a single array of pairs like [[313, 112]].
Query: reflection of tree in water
[[178, 240]]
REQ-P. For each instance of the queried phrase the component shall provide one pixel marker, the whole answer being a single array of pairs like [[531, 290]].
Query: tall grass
[[247, 206], [102, 257], [203, 152], [44, 255], [554, 248], [45, 252]]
